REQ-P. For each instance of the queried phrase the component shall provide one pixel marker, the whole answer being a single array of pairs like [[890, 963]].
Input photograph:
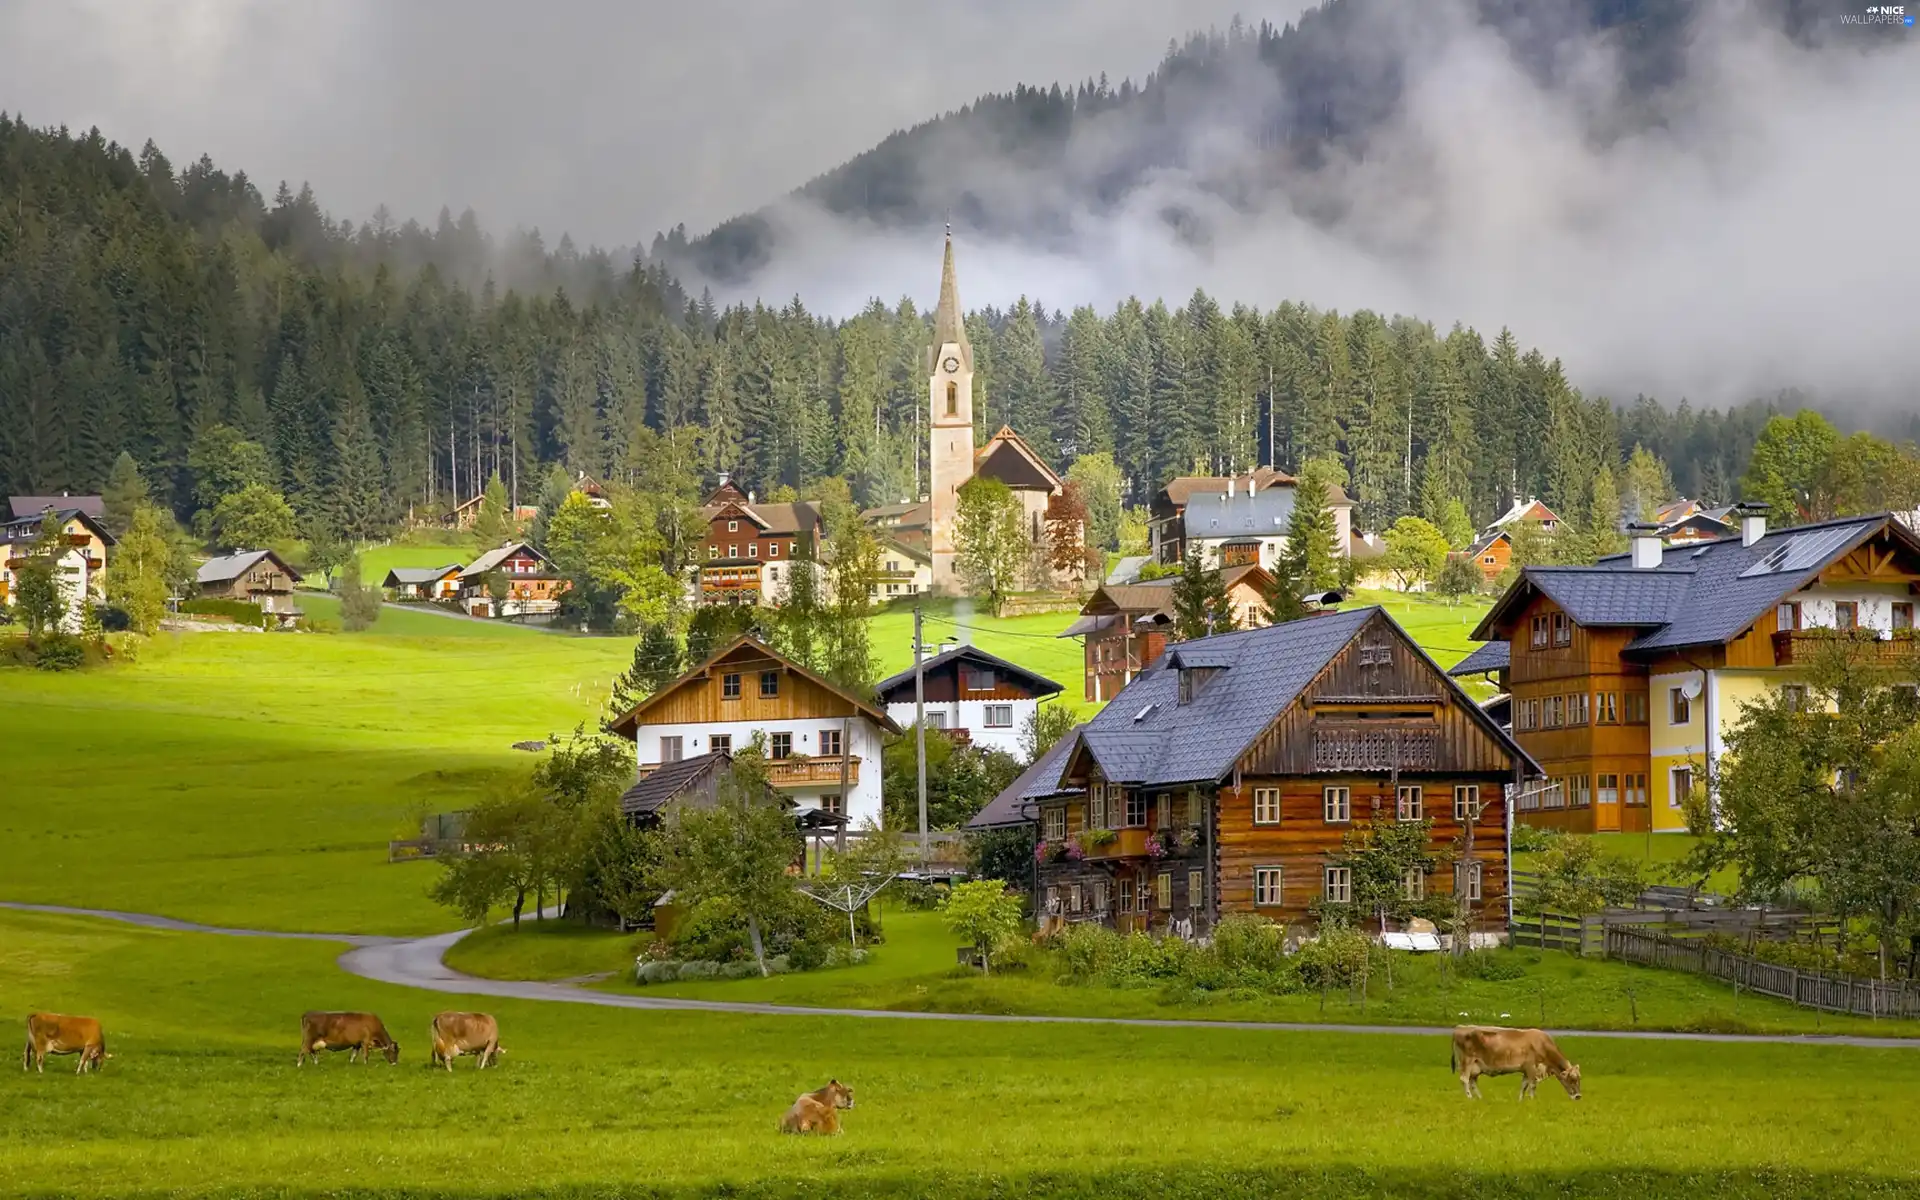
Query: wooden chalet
[[1627, 676], [423, 583], [1127, 625], [753, 549], [1225, 778], [533, 585], [258, 576], [822, 742]]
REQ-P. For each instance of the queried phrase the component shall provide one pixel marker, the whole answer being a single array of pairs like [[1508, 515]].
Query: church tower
[[950, 427]]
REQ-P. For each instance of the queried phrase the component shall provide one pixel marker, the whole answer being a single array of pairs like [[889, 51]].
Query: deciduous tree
[[989, 545], [737, 850], [1416, 551], [253, 518]]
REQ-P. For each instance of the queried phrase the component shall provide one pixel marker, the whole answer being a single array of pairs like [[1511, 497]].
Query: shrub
[[1336, 958], [918, 896], [713, 931], [657, 972], [59, 653], [740, 970], [699, 970], [1250, 943], [1528, 839], [240, 612], [1491, 966], [806, 956]]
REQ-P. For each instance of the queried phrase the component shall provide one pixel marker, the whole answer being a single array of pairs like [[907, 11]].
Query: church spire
[[949, 320]]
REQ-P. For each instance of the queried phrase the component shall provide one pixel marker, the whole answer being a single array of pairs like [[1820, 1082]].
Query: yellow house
[[1627, 676], [82, 563], [905, 570]]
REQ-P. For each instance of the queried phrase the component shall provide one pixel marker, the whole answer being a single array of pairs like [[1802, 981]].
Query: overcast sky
[[610, 119]]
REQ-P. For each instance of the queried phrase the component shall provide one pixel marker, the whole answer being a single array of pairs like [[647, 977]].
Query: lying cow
[[358, 1033], [1490, 1050], [51, 1033], [457, 1033], [818, 1112]]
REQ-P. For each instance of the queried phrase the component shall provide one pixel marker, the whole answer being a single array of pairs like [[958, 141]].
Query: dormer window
[[1194, 680]]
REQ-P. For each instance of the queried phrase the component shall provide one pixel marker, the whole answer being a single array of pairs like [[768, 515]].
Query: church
[[953, 459]]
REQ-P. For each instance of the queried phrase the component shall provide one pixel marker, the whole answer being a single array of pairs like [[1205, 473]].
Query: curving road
[[419, 963]]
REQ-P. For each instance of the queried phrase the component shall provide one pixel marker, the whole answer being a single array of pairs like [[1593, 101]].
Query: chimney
[[1253, 483], [1646, 545], [1231, 484], [1753, 522], [750, 498], [724, 476]]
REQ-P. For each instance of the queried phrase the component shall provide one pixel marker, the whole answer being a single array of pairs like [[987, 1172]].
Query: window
[[1056, 823], [1562, 630], [1786, 617], [977, 679], [780, 745], [1795, 694], [1556, 712], [769, 684], [1903, 614], [1101, 896], [1413, 885], [1266, 887], [1337, 802], [1075, 896], [936, 719], [999, 716], [1582, 791], [1407, 802], [1529, 715], [1846, 614], [733, 527], [1196, 889], [829, 741], [1609, 789], [1196, 808], [753, 549], [670, 749], [1490, 561], [1162, 811], [773, 549], [1634, 706], [1469, 875], [1636, 789], [1682, 708], [1555, 795], [1682, 785], [1606, 708], [1097, 804], [723, 742], [1577, 712], [730, 686], [1339, 885], [1136, 809], [1163, 891], [831, 803], [733, 549], [1266, 806], [953, 404], [1538, 641], [793, 548], [1466, 801]]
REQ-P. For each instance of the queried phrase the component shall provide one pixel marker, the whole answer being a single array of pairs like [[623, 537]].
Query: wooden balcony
[[1799, 647], [1127, 843], [812, 772]]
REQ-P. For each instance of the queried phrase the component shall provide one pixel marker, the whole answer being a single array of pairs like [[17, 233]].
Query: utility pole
[[920, 730]]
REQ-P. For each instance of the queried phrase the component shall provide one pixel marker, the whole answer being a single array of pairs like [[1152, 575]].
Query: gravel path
[[418, 963]]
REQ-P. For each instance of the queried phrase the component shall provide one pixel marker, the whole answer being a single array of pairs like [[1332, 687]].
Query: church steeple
[[949, 320]]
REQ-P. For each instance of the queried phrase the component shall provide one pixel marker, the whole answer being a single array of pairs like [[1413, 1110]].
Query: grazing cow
[[358, 1033], [818, 1112], [51, 1033], [457, 1033], [1490, 1050]]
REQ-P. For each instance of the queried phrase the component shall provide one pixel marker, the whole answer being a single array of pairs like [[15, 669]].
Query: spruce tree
[[1312, 532], [125, 492], [1282, 598], [1200, 603], [494, 524]]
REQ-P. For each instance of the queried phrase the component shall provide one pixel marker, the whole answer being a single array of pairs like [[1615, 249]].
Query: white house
[[967, 689]]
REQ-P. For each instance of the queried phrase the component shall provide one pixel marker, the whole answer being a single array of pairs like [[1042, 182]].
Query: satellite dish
[[1691, 689]]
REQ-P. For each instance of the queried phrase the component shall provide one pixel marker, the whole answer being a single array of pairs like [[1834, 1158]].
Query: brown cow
[[818, 1112], [1491, 1050], [457, 1033], [51, 1033], [356, 1032]]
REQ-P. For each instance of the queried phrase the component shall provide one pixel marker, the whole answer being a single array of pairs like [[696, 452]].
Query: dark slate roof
[[1488, 656], [33, 506], [1702, 593], [1174, 743], [1037, 782], [26, 529], [973, 654], [668, 780], [1263, 514]]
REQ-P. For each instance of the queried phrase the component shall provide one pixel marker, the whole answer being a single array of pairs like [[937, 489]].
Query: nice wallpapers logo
[[1883, 14]]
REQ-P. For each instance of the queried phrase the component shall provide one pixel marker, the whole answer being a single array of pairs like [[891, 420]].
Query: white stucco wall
[[971, 715], [1873, 605], [863, 742]]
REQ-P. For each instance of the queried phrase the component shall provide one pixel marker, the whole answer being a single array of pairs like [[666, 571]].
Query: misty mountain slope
[[1250, 115]]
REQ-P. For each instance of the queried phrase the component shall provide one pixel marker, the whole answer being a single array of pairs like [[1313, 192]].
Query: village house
[[1492, 551], [1627, 676], [754, 549], [822, 742], [905, 570], [255, 577], [529, 583], [1227, 776], [1234, 520], [1125, 626], [1685, 521], [423, 583], [81, 566], [979, 698]]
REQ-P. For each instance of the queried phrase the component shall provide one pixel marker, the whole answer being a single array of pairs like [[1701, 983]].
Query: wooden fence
[[1586, 935], [1809, 989]]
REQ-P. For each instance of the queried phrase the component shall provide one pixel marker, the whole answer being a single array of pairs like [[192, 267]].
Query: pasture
[[202, 1099]]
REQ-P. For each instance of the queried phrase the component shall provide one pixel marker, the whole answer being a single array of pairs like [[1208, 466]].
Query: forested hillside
[[388, 368]]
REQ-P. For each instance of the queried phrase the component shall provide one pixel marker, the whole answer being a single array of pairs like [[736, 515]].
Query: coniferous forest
[[391, 368]]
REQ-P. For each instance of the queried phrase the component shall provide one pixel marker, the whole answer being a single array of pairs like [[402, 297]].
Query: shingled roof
[[1700, 594], [1035, 681], [1487, 658]]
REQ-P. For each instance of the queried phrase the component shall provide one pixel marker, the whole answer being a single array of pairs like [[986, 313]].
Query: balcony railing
[[797, 772], [1126, 843], [1798, 647]]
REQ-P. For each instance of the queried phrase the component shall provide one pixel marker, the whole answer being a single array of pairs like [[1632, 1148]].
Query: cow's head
[[1570, 1080], [393, 1051]]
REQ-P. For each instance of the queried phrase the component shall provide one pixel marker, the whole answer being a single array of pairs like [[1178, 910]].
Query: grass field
[[914, 971], [202, 1099]]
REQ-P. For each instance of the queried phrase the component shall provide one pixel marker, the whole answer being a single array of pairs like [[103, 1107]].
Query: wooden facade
[[1379, 725]]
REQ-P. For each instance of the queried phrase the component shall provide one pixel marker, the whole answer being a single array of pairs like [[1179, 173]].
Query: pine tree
[[358, 508], [554, 491], [1283, 602], [493, 525], [125, 492], [1200, 604], [1312, 532]]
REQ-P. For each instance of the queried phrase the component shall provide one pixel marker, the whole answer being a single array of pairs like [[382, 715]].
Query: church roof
[[1008, 458], [949, 319]]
